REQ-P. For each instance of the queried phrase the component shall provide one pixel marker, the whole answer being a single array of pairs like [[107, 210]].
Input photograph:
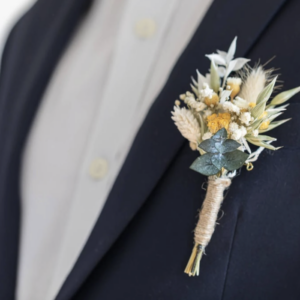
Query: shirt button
[[145, 28], [98, 168]]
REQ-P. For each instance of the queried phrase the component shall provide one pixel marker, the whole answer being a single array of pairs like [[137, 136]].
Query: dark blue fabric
[[143, 238]]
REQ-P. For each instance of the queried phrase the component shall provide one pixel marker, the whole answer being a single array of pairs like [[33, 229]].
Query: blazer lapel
[[158, 141], [33, 50]]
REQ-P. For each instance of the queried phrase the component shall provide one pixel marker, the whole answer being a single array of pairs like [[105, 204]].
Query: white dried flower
[[206, 92], [255, 132], [239, 133], [182, 96], [234, 80], [236, 135], [177, 102], [243, 130], [241, 103], [254, 82], [207, 112], [224, 95], [199, 106], [206, 136], [193, 103], [228, 106], [233, 127], [245, 118], [201, 80], [187, 124]]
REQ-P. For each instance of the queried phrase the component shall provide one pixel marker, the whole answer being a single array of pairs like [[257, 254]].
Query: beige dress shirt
[[99, 94]]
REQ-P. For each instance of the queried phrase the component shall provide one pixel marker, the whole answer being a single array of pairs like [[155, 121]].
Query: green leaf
[[271, 109], [220, 136], [218, 160], [284, 96], [260, 143], [256, 123], [265, 94], [273, 117], [235, 160], [264, 138], [214, 77], [258, 110], [227, 146], [202, 124], [208, 146], [204, 165]]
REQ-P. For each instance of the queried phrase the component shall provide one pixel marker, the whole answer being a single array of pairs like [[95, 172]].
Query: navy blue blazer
[[140, 244]]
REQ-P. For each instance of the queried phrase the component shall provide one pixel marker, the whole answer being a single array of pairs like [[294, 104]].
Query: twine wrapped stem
[[207, 221]]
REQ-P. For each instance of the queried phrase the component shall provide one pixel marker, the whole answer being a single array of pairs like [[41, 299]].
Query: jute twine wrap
[[207, 221], [210, 209]]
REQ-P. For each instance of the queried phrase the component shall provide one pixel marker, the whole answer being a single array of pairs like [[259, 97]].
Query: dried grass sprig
[[187, 124]]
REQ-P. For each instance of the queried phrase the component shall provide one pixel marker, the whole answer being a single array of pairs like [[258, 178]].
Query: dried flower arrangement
[[221, 116]]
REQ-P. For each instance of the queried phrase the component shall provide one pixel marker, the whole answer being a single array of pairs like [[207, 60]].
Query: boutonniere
[[222, 116]]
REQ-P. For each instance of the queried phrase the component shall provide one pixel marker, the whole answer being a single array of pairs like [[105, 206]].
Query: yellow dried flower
[[212, 123], [216, 122], [211, 100], [252, 104], [224, 120], [264, 125], [234, 85]]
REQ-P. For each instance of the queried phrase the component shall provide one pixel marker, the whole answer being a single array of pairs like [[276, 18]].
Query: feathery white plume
[[254, 82]]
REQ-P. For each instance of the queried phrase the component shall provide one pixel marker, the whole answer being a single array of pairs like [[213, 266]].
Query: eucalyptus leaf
[[214, 77], [235, 160], [227, 146], [204, 165], [221, 135], [265, 94], [208, 146], [258, 110], [218, 160], [284, 96]]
